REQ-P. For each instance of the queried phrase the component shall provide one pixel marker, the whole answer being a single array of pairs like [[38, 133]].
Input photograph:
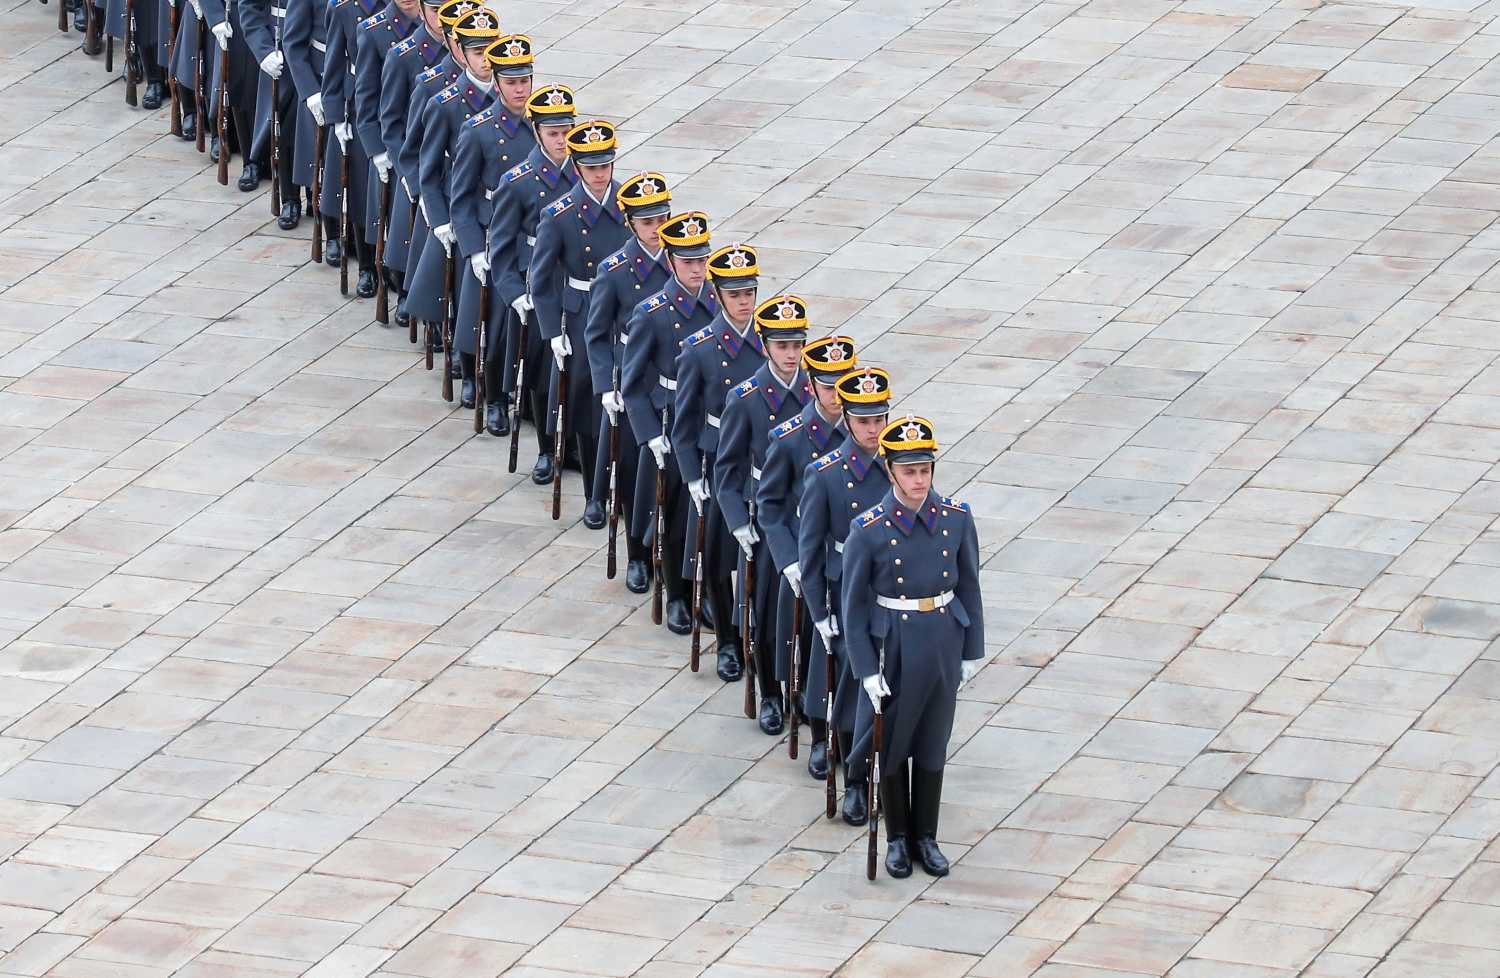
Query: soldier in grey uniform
[[574, 234], [489, 144], [628, 277], [795, 444], [337, 106], [914, 630], [262, 22], [774, 394], [836, 488], [717, 357], [151, 29]]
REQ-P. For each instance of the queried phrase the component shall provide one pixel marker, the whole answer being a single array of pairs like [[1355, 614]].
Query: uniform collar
[[591, 208], [818, 428], [643, 264], [547, 171], [903, 518], [430, 52], [506, 121], [475, 96], [733, 341], [778, 393], [368, 8], [686, 302], [860, 464], [401, 24]]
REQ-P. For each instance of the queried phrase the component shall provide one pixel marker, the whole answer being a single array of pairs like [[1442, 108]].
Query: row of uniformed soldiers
[[588, 303]]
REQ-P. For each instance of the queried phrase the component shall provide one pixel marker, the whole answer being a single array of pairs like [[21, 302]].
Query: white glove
[[446, 237], [828, 628], [523, 305], [171, 3], [698, 489], [968, 669], [314, 103], [421, 204], [223, 32], [343, 132], [747, 538], [479, 264], [793, 575], [613, 404], [272, 64], [875, 688], [382, 163], [660, 448], [197, 9], [411, 197], [561, 350]]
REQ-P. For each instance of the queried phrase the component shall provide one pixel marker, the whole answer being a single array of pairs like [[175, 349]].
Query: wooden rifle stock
[[747, 625], [90, 29], [276, 187], [319, 144], [176, 111], [224, 118], [611, 559], [449, 286], [382, 299], [831, 788], [559, 433], [793, 686], [132, 55], [874, 839], [481, 395], [516, 392], [411, 229], [109, 54], [62, 16], [200, 90], [696, 650], [659, 530]]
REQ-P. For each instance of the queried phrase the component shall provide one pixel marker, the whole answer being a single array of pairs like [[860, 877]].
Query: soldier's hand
[[382, 162], [197, 10], [793, 575], [875, 689], [406, 189], [479, 264], [223, 32], [968, 669], [314, 105], [747, 538], [343, 132], [613, 404], [828, 629], [698, 489], [522, 305], [660, 449], [446, 237], [272, 64], [561, 350]]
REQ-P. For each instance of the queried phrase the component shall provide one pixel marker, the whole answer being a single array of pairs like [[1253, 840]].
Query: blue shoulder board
[[652, 304], [787, 427], [373, 21], [558, 206], [828, 460], [700, 336], [448, 94], [401, 47], [518, 171], [428, 74], [951, 503], [481, 118], [613, 262], [870, 515], [337, 3], [745, 388]]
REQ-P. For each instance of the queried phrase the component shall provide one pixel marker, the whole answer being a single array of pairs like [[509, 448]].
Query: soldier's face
[[866, 431], [554, 140], [689, 272], [648, 230], [784, 355], [913, 481], [739, 304], [409, 8], [514, 91], [828, 400], [597, 178], [479, 66], [430, 18]]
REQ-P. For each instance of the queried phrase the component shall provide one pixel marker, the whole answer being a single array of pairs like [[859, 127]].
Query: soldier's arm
[[732, 465], [544, 279], [465, 184], [296, 44], [812, 545], [396, 115], [213, 13], [967, 589], [639, 377], [687, 416], [367, 77], [255, 23], [598, 332], [431, 186], [505, 227], [773, 507], [335, 70], [858, 602]]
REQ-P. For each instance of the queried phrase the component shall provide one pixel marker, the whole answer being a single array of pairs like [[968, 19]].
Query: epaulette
[[448, 94], [787, 427], [401, 47], [374, 20], [337, 3], [952, 503], [480, 118], [613, 262], [428, 74], [700, 336], [828, 460], [654, 303], [558, 206], [518, 171], [746, 388], [871, 515]]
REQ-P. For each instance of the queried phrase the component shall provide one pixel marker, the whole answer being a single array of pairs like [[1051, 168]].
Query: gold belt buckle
[[926, 604]]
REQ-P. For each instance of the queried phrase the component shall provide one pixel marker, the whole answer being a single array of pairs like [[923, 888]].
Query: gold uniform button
[[945, 573]]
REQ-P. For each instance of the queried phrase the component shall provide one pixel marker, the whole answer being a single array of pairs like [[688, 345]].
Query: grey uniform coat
[[337, 80]]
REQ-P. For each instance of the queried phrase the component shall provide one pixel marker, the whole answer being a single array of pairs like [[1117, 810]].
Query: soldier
[[235, 68], [147, 54], [375, 37], [775, 393], [837, 487], [337, 105], [303, 45], [717, 357], [184, 66], [795, 445], [262, 22], [489, 144], [914, 631], [628, 277], [524, 189], [657, 331], [577, 232]]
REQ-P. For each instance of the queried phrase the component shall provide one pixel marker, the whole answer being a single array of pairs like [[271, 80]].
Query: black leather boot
[[772, 719], [496, 419], [189, 127], [291, 213], [593, 515], [817, 758], [333, 251], [895, 805], [679, 617], [249, 177], [364, 286], [926, 796], [154, 95], [729, 660], [638, 580], [857, 802]]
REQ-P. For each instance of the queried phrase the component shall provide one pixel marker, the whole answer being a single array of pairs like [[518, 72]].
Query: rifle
[[875, 784], [109, 53], [658, 547], [611, 560], [831, 794], [411, 230], [344, 217], [62, 16], [382, 300], [176, 112], [200, 91], [747, 624], [90, 29], [450, 286], [559, 436], [697, 646], [276, 133], [480, 394], [132, 55], [224, 114], [792, 686], [515, 407], [319, 140]]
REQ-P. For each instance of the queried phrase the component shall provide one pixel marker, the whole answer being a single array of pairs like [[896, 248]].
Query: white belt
[[319, 46], [579, 284], [755, 473], [278, 11], [489, 195], [669, 384], [915, 604], [712, 419], [838, 546]]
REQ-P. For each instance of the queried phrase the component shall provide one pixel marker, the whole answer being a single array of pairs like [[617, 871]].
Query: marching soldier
[[775, 393], [263, 21], [628, 277], [840, 485], [184, 66], [716, 358], [337, 106], [490, 143], [526, 188], [577, 232], [146, 43], [657, 331], [304, 42], [914, 631], [374, 38], [235, 68], [794, 446]]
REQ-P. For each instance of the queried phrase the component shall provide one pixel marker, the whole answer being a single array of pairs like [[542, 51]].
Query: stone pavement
[[1203, 298]]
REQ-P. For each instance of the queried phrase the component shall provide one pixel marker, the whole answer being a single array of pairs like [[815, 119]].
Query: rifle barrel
[[317, 189], [559, 439]]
